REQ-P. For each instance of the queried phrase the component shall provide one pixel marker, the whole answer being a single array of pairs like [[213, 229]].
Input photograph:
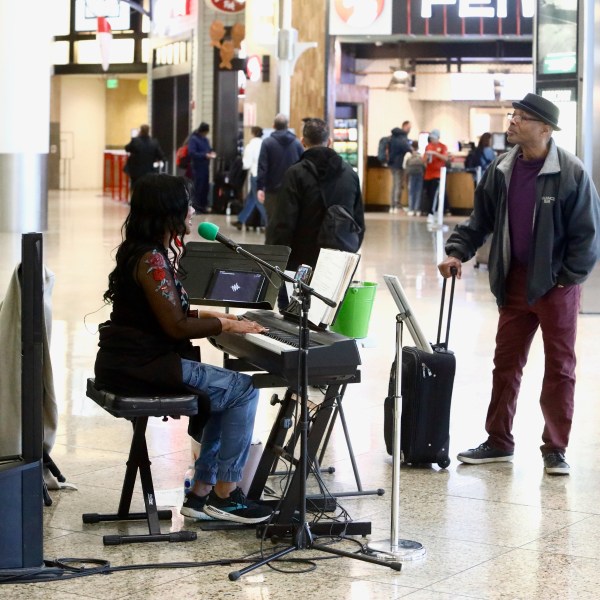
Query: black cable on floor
[[63, 569]]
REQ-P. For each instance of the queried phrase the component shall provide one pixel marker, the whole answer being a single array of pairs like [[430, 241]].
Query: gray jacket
[[566, 224]]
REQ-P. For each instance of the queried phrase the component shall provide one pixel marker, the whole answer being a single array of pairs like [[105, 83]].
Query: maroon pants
[[556, 314]]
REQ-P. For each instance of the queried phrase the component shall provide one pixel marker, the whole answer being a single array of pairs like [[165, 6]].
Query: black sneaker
[[484, 453], [236, 508], [193, 507], [555, 463]]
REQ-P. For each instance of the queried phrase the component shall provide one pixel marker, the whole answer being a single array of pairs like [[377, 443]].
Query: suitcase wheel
[[444, 463]]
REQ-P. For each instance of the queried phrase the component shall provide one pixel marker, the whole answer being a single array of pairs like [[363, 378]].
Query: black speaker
[[21, 516], [21, 477]]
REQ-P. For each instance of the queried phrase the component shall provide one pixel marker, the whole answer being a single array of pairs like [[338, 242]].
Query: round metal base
[[403, 550]]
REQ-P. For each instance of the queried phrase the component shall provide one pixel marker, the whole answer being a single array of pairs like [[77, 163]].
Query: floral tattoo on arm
[[158, 267]]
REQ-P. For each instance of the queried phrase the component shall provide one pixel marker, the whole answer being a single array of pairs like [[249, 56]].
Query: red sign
[[226, 6], [361, 12], [254, 68]]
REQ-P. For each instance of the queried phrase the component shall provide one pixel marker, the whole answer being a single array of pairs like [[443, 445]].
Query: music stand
[[201, 258], [395, 548], [405, 311]]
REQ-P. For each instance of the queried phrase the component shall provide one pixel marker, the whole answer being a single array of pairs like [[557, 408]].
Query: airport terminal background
[[503, 530]]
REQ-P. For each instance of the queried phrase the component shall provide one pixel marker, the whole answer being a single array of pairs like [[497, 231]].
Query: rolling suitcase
[[426, 389]]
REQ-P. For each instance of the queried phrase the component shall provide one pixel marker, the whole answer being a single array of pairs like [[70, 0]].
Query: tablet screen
[[236, 286]]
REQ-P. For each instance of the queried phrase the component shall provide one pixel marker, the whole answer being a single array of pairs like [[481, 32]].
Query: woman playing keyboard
[[145, 347]]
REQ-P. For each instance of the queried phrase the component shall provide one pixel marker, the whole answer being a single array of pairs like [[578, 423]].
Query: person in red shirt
[[435, 157]]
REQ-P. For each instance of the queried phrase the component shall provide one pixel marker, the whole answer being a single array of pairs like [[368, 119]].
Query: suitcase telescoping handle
[[453, 271]]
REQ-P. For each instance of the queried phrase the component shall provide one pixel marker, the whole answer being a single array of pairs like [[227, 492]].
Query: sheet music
[[331, 278], [406, 312]]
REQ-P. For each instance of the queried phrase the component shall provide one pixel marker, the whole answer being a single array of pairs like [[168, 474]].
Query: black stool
[[137, 410]]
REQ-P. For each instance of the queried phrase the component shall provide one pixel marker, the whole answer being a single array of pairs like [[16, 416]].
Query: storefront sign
[[478, 8], [226, 6], [461, 18], [362, 17]]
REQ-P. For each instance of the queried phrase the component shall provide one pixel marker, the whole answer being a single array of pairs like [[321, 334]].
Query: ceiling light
[[399, 76]]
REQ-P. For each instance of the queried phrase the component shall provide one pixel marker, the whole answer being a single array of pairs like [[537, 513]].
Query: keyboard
[[332, 358]]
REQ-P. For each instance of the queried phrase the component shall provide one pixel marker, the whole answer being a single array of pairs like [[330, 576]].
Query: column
[[25, 71]]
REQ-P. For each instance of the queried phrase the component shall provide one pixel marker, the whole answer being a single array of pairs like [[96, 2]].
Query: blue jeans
[[415, 191], [227, 435], [252, 202]]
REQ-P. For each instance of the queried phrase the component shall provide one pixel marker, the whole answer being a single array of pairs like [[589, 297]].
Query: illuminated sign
[[566, 100], [557, 39], [460, 18], [478, 8], [457, 18]]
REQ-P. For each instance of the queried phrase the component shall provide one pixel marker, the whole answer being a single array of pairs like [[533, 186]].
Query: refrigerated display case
[[347, 135]]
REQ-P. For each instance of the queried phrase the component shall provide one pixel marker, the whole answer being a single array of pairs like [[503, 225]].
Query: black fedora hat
[[540, 107]]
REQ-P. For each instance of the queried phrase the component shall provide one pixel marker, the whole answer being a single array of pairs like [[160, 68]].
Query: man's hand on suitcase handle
[[450, 266]]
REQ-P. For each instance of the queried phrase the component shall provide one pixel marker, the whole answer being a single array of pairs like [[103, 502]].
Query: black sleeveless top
[[136, 356]]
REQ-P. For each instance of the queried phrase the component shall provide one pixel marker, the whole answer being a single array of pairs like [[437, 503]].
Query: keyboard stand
[[338, 411], [275, 449]]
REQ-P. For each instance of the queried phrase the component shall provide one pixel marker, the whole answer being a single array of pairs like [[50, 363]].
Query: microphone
[[210, 231]]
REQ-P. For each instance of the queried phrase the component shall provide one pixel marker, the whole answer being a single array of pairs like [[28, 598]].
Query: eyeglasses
[[518, 118]]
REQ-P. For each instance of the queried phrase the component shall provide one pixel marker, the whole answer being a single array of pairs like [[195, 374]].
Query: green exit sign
[[112, 84]]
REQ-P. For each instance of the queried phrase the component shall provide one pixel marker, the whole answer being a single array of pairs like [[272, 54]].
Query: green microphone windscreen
[[208, 231]]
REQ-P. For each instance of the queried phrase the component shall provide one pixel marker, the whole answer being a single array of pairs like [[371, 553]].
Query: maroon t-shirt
[[521, 204]]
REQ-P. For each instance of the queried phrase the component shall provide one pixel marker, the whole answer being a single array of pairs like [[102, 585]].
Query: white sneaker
[[430, 218], [411, 213]]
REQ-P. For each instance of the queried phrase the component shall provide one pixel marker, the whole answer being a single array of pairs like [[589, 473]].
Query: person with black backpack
[[319, 204], [481, 156]]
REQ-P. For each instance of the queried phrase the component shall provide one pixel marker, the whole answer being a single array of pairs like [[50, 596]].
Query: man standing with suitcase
[[544, 212]]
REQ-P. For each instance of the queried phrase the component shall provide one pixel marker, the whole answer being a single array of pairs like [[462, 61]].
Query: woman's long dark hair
[[159, 203], [484, 141]]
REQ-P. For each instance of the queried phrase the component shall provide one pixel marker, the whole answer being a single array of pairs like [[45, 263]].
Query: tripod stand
[[302, 536]]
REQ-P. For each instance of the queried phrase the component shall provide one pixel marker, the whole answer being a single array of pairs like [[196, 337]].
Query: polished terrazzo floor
[[502, 530]]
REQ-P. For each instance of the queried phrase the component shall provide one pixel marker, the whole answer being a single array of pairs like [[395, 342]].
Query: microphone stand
[[302, 536]]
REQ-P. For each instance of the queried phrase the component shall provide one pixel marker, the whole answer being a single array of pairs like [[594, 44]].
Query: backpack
[[182, 157], [237, 175], [472, 160], [415, 165], [339, 230], [383, 148]]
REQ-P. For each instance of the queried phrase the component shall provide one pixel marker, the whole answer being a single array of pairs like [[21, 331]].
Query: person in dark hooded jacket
[[319, 176], [277, 153], [399, 146], [144, 152]]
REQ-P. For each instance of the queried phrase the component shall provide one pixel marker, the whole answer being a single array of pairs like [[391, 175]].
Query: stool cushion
[[143, 406]]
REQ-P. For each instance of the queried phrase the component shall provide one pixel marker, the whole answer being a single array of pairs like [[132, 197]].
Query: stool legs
[[139, 460]]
